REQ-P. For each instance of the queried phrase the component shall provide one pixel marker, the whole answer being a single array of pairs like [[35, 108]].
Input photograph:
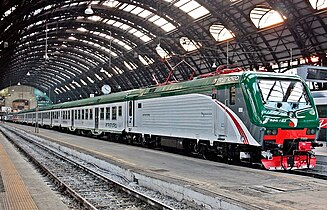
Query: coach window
[[91, 114], [139, 105], [86, 114], [120, 111], [79, 114], [68, 114], [83, 114], [107, 113], [75, 114], [114, 113], [232, 95], [101, 113]]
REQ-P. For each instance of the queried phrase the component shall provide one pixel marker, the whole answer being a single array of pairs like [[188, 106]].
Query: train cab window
[[139, 105], [321, 111], [86, 114], [232, 95], [79, 114], [91, 114], [120, 111], [107, 113], [83, 114], [101, 113], [114, 113]]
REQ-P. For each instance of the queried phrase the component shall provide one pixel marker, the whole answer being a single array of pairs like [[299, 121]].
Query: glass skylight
[[189, 45], [264, 17], [192, 8], [161, 52], [146, 60], [90, 80], [83, 82], [220, 33], [318, 4], [130, 66], [98, 77], [149, 16]]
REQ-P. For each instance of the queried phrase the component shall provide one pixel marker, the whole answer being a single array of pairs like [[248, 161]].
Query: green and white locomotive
[[264, 118]]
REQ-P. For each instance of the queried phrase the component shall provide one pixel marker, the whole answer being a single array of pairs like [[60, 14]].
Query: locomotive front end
[[288, 120]]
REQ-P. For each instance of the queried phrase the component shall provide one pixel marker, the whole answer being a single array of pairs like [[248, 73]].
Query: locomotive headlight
[[311, 131], [268, 132], [271, 131], [274, 132]]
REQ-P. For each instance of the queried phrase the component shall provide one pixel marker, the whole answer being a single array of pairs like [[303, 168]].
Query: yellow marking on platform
[[16, 195]]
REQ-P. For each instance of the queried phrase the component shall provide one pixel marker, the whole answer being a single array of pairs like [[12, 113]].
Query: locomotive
[[257, 117]]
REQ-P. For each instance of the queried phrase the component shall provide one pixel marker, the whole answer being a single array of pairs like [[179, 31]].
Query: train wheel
[[203, 151]]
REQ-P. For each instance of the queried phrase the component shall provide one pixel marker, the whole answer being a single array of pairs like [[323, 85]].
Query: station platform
[[21, 187], [322, 151], [253, 188]]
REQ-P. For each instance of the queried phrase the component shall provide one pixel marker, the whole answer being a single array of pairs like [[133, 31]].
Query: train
[[261, 118]]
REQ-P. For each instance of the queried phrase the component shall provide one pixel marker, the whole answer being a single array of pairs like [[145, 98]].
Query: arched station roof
[[56, 47]]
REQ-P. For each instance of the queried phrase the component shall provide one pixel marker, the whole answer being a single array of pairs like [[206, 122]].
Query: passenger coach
[[263, 118]]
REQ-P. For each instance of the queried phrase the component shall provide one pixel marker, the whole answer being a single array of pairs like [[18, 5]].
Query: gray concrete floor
[[259, 188], [43, 196]]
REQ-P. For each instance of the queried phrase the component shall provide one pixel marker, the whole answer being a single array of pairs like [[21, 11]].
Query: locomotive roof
[[205, 84]]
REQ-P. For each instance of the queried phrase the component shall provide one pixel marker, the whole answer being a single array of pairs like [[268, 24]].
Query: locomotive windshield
[[284, 94]]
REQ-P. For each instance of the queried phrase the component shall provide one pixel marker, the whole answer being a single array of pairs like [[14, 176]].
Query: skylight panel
[[9, 11], [264, 17], [98, 77], [138, 34], [129, 8], [118, 70], [220, 33], [161, 52], [71, 85], [199, 12], [181, 2], [160, 22], [145, 14], [192, 8], [117, 24], [168, 27], [90, 80], [145, 38], [189, 6], [153, 18], [82, 81], [137, 10], [111, 3], [318, 4], [127, 65], [145, 60], [189, 45]]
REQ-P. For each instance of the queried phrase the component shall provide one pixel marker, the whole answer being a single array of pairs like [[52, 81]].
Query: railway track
[[88, 188]]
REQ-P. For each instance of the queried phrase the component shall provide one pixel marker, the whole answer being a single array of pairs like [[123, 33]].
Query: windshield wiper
[[275, 109]]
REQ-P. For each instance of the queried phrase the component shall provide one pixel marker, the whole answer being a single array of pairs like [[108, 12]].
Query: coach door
[[130, 118], [96, 118], [72, 118]]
